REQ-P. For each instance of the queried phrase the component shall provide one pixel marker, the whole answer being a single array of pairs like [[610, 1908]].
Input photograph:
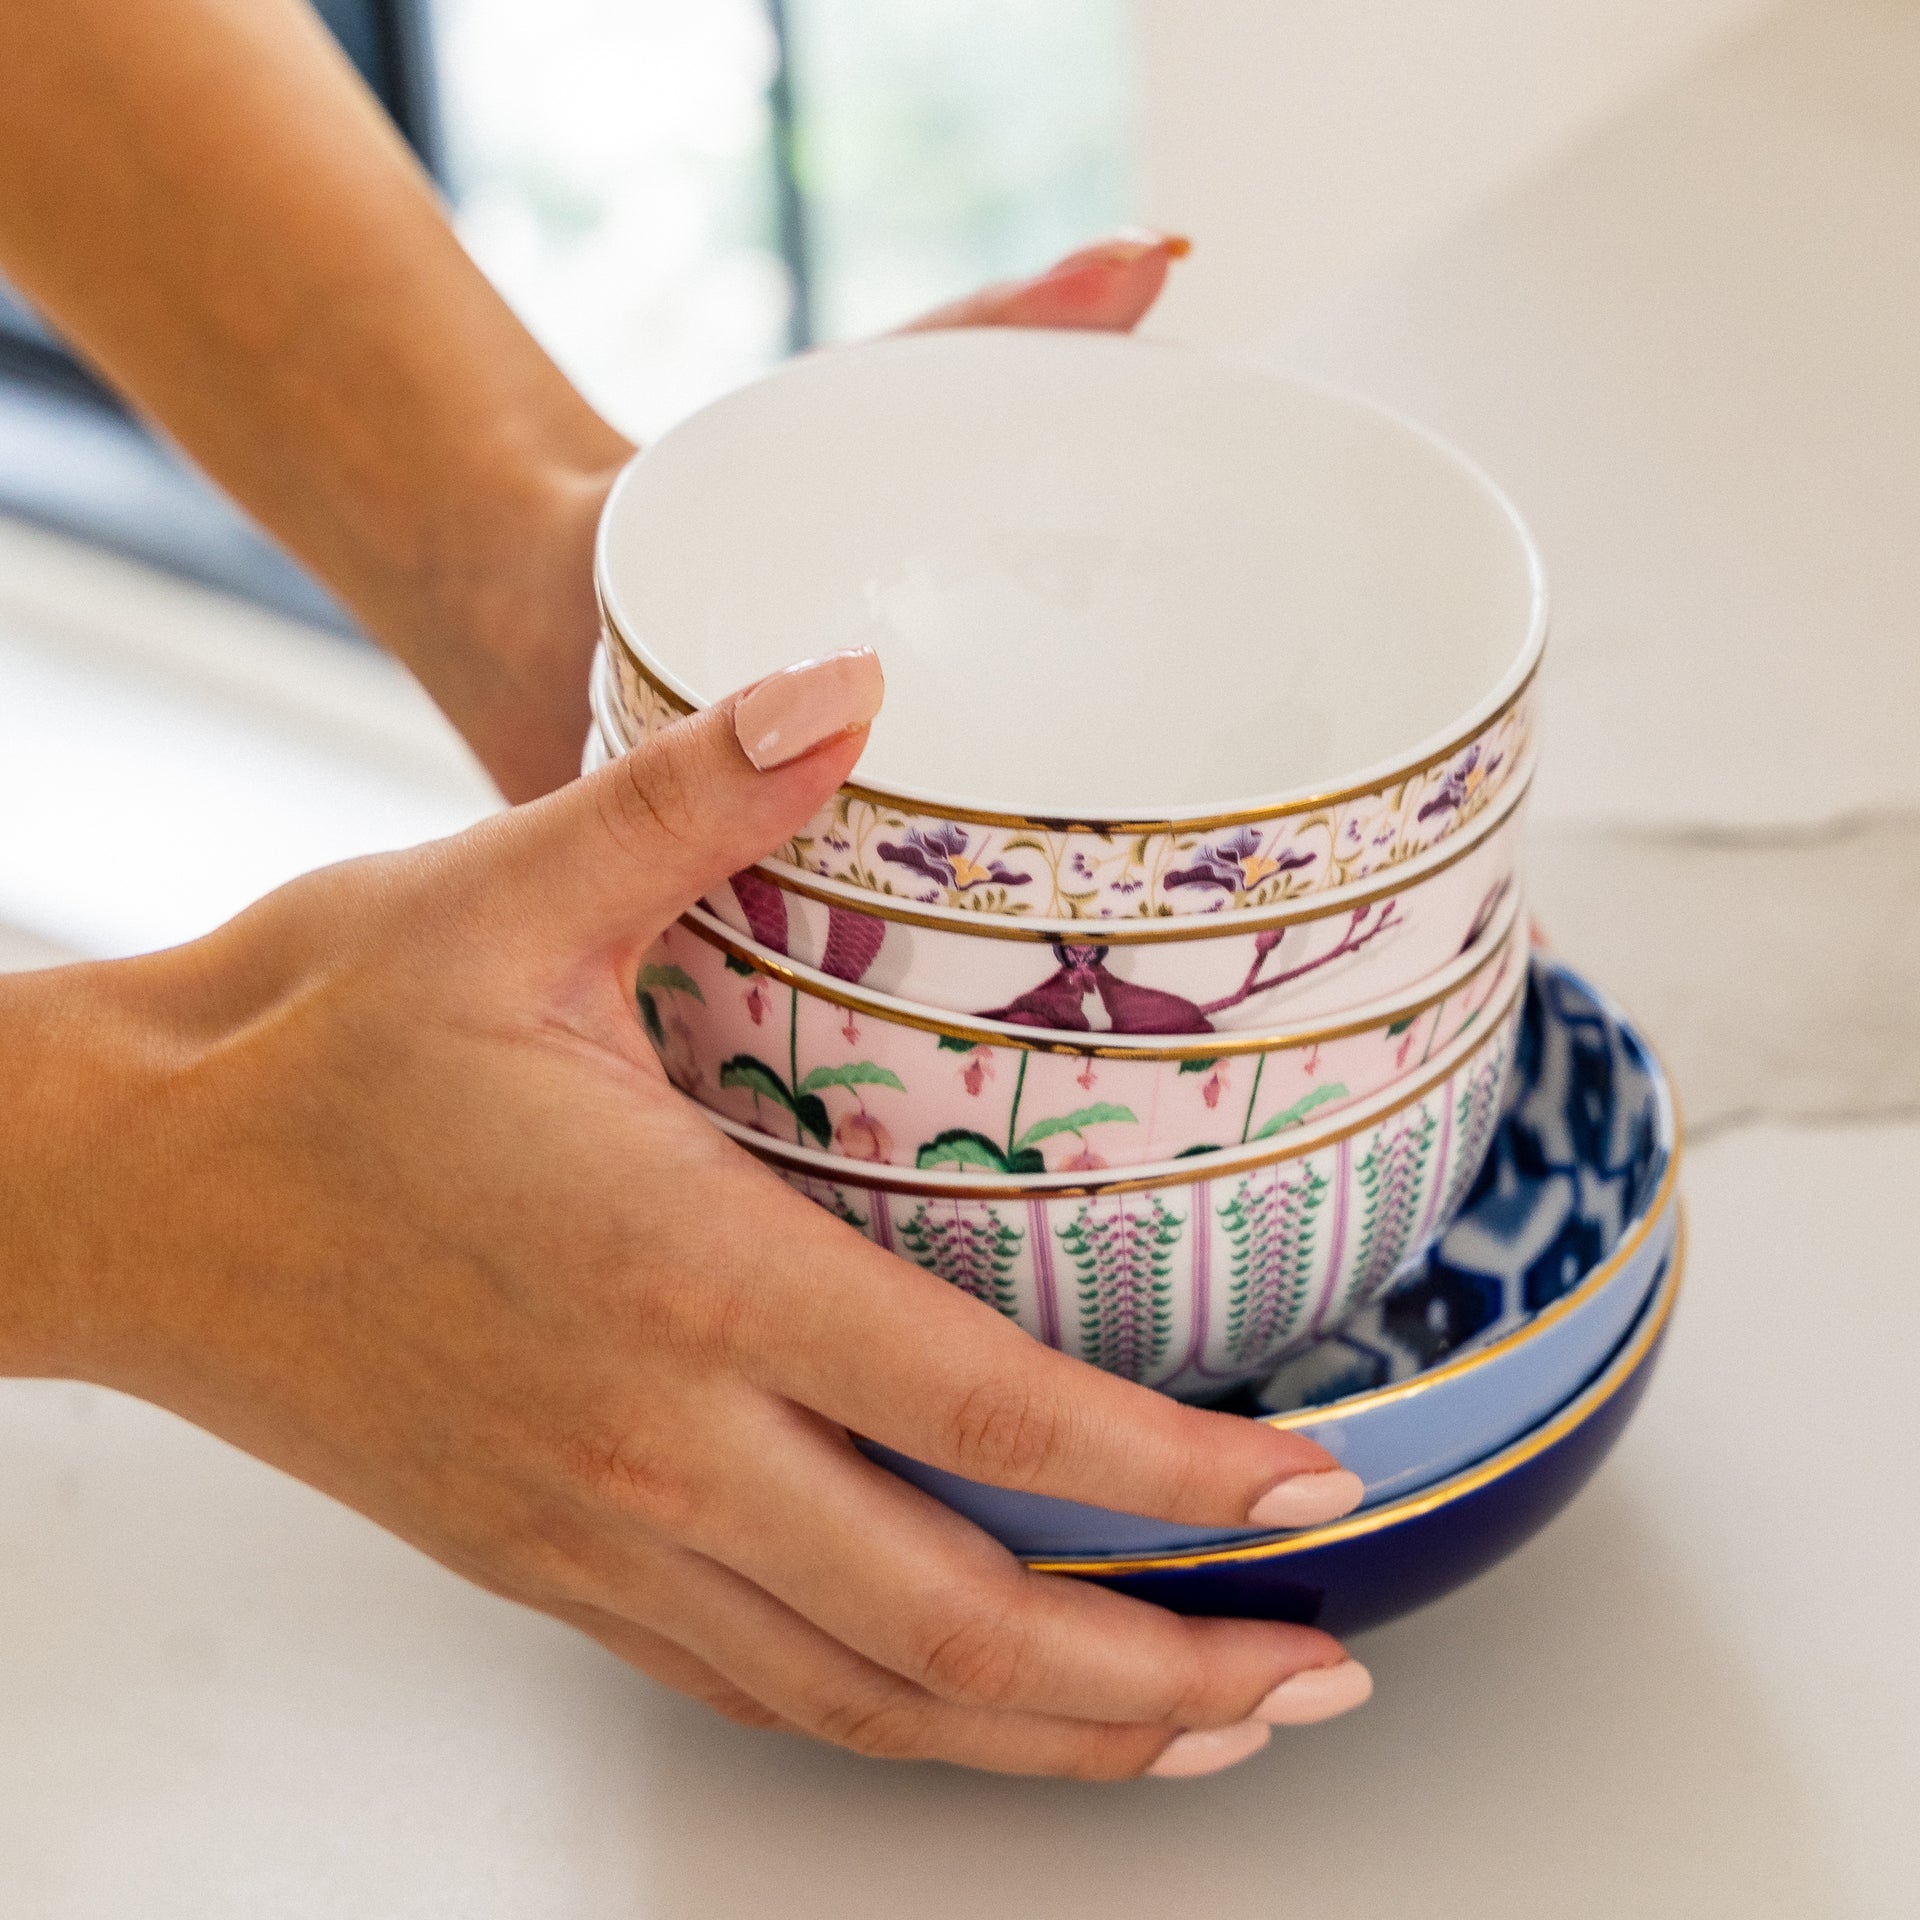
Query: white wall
[[1309, 144]]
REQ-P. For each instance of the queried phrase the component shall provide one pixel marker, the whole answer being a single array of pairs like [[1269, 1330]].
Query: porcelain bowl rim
[[1388, 771]]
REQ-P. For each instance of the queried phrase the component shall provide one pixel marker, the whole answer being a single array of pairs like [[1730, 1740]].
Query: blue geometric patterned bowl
[[1565, 1234], [1372, 1567]]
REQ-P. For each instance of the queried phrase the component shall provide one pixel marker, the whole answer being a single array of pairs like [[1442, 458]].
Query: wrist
[[498, 618], [87, 1067]]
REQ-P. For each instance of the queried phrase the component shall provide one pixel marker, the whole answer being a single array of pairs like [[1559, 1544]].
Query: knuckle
[[1004, 1432], [980, 1659], [880, 1723], [658, 795], [613, 1468]]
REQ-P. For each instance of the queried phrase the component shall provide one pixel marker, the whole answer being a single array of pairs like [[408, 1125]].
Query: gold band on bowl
[[1223, 1164], [1495, 1467], [1212, 1046], [1162, 928], [1393, 776]]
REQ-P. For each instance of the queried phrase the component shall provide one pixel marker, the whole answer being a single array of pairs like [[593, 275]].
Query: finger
[[788, 1503], [1106, 287], [632, 845], [947, 1380], [770, 1655]]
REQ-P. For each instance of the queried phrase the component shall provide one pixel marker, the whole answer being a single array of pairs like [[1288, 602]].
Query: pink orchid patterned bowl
[[1164, 632], [1229, 971], [1193, 1275], [785, 1050]]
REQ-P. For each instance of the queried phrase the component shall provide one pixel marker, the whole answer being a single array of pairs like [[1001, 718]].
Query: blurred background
[[1648, 259]]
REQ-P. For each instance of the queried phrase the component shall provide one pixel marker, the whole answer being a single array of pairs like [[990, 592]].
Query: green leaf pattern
[[1121, 1252]]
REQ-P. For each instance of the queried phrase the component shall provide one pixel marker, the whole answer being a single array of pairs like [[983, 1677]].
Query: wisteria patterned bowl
[[1192, 1275], [786, 1049], [1231, 970], [1571, 1225], [1373, 1567], [1131, 599]]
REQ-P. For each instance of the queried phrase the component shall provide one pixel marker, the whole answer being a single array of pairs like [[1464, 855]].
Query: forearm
[[203, 197], [77, 1064]]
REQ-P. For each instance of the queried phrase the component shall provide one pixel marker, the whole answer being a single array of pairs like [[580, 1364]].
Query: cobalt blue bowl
[[1372, 1567], [1566, 1233]]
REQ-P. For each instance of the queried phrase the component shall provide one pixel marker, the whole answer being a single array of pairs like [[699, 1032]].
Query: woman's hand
[[383, 1183]]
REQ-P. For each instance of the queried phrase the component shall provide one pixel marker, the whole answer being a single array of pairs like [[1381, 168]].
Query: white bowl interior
[[1108, 578]]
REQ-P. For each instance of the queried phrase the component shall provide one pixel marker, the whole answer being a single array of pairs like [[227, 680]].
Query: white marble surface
[[1688, 348], [1698, 1695]]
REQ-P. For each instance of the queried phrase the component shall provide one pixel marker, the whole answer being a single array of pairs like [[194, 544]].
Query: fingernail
[[1135, 243], [791, 712], [1317, 1693], [1209, 1750], [1308, 1499]]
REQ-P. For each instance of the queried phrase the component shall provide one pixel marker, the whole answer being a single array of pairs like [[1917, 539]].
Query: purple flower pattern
[[940, 854], [1238, 863], [1079, 872]]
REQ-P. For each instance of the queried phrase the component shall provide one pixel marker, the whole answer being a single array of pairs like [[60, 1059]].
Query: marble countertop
[[1688, 348]]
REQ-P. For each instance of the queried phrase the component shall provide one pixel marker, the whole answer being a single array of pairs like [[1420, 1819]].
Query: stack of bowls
[[1161, 978]]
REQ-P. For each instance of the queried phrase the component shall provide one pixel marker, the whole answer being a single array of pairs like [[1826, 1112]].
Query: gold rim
[[1214, 1047], [1609, 1269], [1497, 1467], [1164, 927], [911, 1180], [1199, 823], [1630, 1243]]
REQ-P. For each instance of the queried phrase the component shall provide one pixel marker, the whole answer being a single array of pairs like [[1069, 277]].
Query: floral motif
[[1190, 1285], [1237, 864], [1462, 779], [939, 853], [1122, 1255], [1071, 872], [970, 1247], [859, 1136]]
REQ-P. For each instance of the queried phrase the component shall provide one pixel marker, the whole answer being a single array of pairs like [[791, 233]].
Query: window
[[672, 195]]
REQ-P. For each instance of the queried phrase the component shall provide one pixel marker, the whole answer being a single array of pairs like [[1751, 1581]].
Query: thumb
[[624, 850]]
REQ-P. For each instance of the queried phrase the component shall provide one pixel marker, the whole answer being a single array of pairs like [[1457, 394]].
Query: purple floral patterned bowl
[[1231, 970], [1164, 632], [786, 1049], [1191, 1275]]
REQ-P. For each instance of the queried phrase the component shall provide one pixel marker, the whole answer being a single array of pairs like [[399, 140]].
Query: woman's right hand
[[383, 1183]]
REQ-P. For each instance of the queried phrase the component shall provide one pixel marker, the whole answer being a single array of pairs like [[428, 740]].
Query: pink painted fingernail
[[1123, 249], [1308, 1499], [793, 711], [1209, 1750], [1316, 1693]]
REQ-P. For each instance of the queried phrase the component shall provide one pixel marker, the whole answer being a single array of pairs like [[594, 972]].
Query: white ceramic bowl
[[1153, 620], [1194, 1274], [829, 1064]]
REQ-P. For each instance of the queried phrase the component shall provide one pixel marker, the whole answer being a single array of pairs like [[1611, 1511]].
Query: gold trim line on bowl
[[1392, 775], [1144, 929], [1168, 927], [1210, 1046], [1630, 1244], [1223, 1164], [1495, 1467]]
